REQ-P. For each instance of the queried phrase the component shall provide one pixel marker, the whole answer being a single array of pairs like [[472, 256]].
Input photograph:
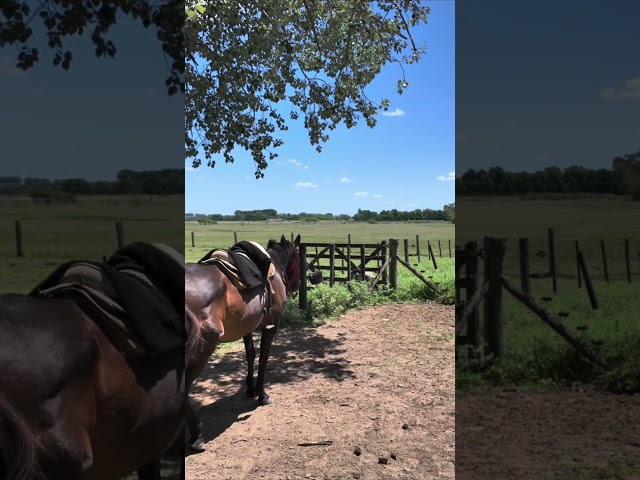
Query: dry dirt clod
[[357, 451], [383, 460], [405, 426], [356, 475], [394, 455]]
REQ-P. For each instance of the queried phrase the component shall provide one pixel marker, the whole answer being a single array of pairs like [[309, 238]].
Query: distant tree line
[[128, 182], [622, 178], [446, 214]]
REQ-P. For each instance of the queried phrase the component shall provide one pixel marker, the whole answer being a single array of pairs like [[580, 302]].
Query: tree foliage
[[66, 18], [250, 60]]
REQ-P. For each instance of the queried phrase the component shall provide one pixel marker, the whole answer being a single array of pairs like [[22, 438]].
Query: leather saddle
[[91, 289]]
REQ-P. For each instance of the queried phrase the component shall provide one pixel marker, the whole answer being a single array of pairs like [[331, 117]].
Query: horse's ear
[[296, 242], [283, 239]]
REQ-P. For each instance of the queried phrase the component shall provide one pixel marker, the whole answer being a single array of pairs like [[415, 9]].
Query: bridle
[[292, 272]]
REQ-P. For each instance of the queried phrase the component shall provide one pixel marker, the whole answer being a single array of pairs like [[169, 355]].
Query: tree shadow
[[295, 356]]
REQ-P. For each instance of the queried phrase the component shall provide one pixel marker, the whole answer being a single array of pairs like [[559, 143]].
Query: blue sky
[[405, 162], [100, 116], [550, 83]]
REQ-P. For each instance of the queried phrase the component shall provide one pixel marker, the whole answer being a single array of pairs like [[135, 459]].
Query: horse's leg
[[150, 471], [196, 441], [265, 346], [250, 351]]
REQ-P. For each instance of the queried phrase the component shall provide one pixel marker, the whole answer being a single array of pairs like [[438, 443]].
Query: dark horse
[[217, 312], [72, 406]]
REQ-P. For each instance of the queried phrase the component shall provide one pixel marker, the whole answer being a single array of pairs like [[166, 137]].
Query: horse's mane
[[272, 243]]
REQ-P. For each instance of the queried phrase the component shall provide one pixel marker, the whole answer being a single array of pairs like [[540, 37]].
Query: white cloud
[[306, 185], [293, 161], [629, 90], [306, 167], [396, 113], [345, 180], [449, 178], [365, 194]]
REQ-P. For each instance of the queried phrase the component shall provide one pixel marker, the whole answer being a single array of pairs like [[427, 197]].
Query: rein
[[292, 272]]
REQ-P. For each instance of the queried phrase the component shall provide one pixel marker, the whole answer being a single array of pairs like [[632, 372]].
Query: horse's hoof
[[265, 400], [198, 445]]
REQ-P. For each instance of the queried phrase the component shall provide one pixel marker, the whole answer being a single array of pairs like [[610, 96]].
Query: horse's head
[[287, 253]]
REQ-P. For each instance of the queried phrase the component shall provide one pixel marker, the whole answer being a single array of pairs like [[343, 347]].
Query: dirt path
[[550, 435], [379, 381]]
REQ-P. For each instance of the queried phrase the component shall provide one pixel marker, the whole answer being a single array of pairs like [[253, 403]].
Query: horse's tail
[[17, 446], [193, 334]]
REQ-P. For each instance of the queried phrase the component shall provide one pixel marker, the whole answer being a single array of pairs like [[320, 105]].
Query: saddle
[[243, 276], [87, 285], [122, 299]]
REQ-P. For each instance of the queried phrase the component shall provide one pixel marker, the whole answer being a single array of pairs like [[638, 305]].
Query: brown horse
[[72, 406], [217, 312]]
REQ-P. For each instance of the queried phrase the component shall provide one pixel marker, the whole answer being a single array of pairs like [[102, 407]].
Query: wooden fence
[[20, 251], [408, 249], [355, 261], [468, 321]]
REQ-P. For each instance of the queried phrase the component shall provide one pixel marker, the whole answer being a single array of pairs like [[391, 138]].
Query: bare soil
[[547, 435], [368, 396]]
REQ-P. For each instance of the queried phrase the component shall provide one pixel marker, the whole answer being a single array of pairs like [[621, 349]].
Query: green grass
[[326, 303], [221, 235], [86, 231], [534, 354]]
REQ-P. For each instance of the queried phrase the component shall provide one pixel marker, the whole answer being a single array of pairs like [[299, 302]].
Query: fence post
[[587, 281], [418, 247], [393, 266], [386, 256], [525, 284], [193, 239], [120, 234], [578, 265], [302, 294], [429, 249], [433, 257], [19, 249], [363, 265], [440, 248], [604, 261], [406, 249], [449, 248], [349, 272], [332, 264], [494, 249], [627, 259], [471, 273], [552, 259], [235, 237]]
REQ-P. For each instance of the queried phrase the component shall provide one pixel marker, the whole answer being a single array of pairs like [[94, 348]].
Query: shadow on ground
[[295, 356]]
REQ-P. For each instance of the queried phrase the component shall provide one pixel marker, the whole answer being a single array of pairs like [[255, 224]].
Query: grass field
[[85, 231], [221, 235], [533, 352]]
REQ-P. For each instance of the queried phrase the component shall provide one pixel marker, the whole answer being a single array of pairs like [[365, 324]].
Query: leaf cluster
[[66, 18], [251, 60]]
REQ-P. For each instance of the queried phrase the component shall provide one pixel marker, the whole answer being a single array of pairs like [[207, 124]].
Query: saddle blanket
[[136, 297]]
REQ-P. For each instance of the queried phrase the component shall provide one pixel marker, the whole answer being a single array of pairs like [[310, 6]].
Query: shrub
[[328, 302]]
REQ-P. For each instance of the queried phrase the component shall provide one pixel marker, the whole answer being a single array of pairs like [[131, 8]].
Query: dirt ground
[[370, 395], [550, 435]]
